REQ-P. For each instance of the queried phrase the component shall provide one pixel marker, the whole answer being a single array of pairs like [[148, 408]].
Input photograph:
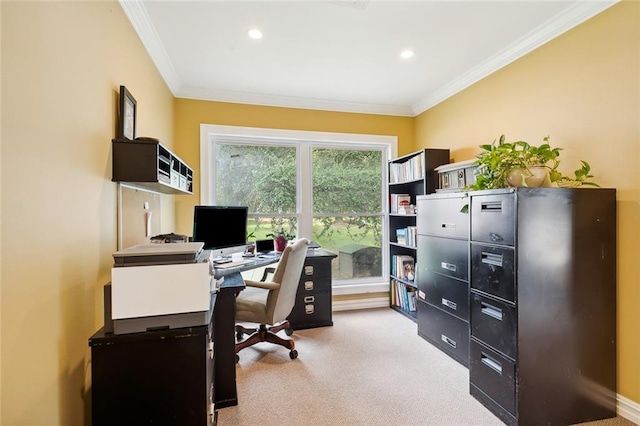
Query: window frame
[[304, 142]]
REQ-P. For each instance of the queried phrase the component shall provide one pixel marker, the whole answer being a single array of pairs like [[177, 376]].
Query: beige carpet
[[370, 368]]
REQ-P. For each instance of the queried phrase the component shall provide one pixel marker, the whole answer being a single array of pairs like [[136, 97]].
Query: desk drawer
[[494, 375], [444, 255], [318, 272], [493, 219], [450, 334], [447, 293], [443, 217], [494, 323], [311, 310], [492, 270]]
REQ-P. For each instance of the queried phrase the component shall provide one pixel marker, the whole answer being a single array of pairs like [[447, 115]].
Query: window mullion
[[305, 190]]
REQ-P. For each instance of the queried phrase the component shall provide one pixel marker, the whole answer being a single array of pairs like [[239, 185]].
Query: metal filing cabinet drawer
[[493, 374], [492, 270], [494, 322], [449, 333], [447, 293], [444, 217], [446, 256], [493, 219], [311, 310]]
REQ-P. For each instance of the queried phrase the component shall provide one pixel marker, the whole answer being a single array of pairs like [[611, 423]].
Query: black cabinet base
[[492, 406]]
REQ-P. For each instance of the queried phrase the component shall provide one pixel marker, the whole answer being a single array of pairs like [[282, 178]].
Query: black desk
[[171, 376], [244, 264]]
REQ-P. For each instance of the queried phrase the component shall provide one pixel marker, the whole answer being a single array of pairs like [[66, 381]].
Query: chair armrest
[[267, 271], [267, 285]]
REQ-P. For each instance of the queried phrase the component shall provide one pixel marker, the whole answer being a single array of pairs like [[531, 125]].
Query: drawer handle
[[309, 299], [448, 225], [491, 206], [449, 304], [308, 285], [491, 311], [449, 266], [491, 363], [448, 341], [309, 309], [491, 259], [308, 270]]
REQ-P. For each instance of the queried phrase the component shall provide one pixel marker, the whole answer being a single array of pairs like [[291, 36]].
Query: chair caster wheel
[[239, 335], [288, 331], [293, 354], [237, 358]]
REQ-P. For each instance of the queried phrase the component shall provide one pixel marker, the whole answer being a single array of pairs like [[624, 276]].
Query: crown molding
[[141, 22], [291, 102], [559, 24], [573, 16]]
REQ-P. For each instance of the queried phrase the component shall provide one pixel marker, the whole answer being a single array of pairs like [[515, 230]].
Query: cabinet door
[[493, 219], [450, 334], [494, 323], [446, 256], [492, 270], [444, 217], [449, 294], [493, 374]]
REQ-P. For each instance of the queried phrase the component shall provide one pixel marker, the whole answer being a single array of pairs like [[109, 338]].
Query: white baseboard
[[629, 409], [626, 408], [369, 303]]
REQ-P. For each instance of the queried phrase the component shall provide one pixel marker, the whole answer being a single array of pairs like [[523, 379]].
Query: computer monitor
[[222, 229]]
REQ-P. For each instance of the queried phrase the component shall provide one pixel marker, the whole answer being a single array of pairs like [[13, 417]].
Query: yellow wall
[[62, 65], [190, 114], [582, 90]]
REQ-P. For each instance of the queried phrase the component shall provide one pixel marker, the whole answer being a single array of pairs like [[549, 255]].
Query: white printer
[[156, 286]]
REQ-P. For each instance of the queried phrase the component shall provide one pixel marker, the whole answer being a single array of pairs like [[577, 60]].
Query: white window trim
[[210, 133]]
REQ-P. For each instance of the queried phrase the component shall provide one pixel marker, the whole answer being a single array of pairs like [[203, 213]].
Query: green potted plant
[[280, 239], [502, 164]]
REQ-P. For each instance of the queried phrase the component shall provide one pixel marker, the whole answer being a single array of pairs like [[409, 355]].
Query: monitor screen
[[220, 227]]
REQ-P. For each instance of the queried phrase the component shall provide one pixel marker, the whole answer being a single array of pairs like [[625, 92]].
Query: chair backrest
[[280, 302]]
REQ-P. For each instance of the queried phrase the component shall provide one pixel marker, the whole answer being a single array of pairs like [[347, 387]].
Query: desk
[[171, 376], [181, 376], [248, 263]]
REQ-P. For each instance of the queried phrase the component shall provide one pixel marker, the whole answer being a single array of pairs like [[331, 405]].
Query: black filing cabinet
[[162, 377], [313, 299], [543, 304], [443, 272]]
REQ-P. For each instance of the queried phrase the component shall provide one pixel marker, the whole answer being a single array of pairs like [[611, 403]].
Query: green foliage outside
[[346, 186]]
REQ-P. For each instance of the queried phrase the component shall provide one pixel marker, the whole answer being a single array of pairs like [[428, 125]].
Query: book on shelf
[[408, 170], [403, 296], [402, 266], [399, 203], [401, 236], [408, 271], [411, 236]]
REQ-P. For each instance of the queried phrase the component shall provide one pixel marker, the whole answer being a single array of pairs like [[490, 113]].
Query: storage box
[[455, 176]]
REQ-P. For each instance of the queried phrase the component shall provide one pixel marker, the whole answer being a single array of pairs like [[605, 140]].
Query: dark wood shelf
[[151, 166]]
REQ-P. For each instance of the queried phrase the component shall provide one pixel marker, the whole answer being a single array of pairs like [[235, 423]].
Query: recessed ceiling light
[[406, 54], [255, 33]]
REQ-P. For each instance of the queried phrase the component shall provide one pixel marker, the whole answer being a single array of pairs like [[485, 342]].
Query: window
[[324, 186]]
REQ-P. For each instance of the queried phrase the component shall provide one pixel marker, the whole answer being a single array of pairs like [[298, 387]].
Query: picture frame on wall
[[127, 115]]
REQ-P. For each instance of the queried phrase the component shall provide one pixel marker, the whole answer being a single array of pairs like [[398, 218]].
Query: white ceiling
[[343, 55]]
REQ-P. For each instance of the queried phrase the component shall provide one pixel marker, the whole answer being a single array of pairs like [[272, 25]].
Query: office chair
[[269, 303]]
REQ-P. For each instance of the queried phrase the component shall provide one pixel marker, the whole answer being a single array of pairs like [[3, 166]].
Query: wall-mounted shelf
[[149, 165]]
